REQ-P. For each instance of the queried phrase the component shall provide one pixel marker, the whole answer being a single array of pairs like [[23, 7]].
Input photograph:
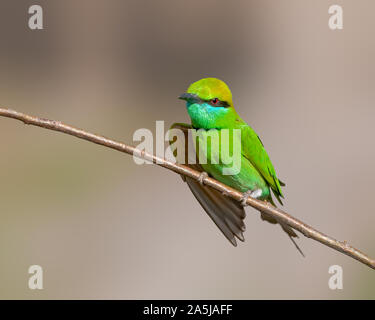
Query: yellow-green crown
[[210, 88]]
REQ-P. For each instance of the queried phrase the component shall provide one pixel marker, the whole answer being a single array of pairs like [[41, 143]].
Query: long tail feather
[[298, 248]]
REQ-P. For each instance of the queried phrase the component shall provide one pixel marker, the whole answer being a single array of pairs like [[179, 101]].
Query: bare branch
[[276, 213]]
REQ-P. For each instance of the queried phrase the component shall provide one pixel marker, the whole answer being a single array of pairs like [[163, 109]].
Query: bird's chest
[[216, 146], [219, 152]]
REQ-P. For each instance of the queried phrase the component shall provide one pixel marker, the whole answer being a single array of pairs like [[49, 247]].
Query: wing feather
[[226, 213], [253, 149]]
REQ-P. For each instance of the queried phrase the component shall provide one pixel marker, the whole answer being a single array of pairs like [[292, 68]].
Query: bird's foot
[[202, 176], [255, 194], [225, 193]]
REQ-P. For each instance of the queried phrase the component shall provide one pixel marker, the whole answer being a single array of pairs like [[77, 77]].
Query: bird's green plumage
[[257, 171], [210, 107]]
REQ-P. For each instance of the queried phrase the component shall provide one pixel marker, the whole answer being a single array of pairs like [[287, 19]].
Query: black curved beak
[[189, 97]]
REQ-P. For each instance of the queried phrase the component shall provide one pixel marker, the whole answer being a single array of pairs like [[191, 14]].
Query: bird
[[210, 107]]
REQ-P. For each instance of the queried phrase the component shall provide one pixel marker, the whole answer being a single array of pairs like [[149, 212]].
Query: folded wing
[[226, 213]]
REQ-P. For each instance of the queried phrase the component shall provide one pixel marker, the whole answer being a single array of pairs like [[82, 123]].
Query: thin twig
[[276, 213]]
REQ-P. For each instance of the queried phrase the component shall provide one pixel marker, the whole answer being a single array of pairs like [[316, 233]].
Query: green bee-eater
[[209, 105]]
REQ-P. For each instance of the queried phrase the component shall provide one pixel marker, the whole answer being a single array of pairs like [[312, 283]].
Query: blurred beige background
[[104, 227]]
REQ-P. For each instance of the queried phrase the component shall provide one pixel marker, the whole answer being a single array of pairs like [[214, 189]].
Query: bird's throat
[[207, 117]]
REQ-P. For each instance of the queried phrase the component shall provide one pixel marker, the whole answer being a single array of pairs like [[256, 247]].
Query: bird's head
[[209, 104]]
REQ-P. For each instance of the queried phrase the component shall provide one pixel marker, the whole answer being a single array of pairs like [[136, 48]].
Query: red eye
[[215, 101]]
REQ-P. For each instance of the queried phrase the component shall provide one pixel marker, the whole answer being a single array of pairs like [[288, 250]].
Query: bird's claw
[[202, 176], [255, 194], [245, 196], [225, 193]]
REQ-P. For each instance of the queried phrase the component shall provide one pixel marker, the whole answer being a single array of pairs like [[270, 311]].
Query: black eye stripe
[[219, 103]]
